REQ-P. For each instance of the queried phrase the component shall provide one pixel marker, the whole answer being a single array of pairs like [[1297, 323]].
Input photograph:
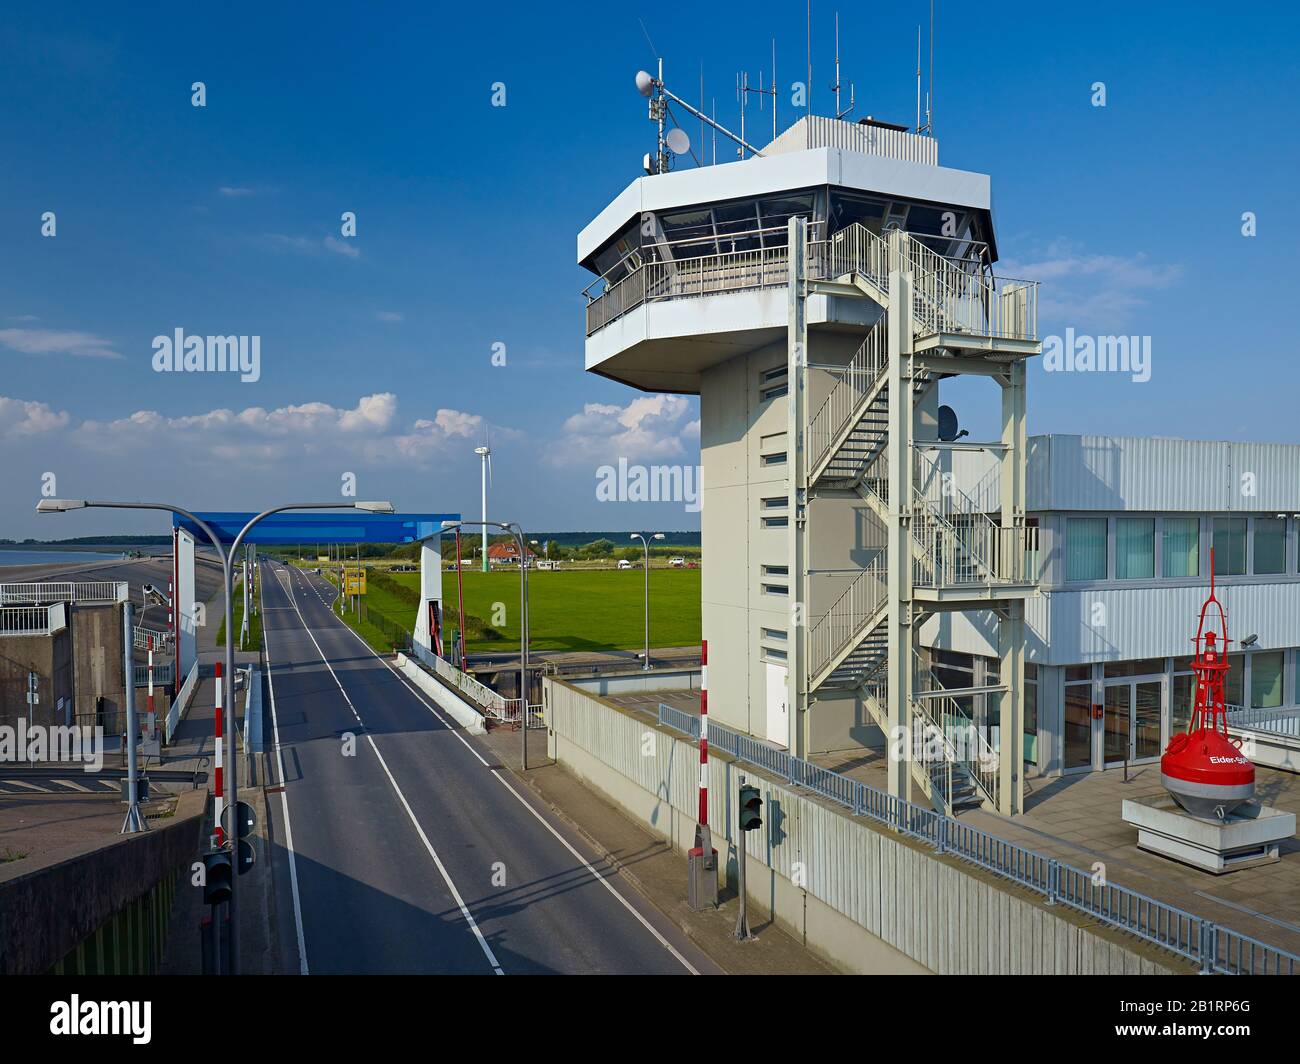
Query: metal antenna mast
[[744, 88], [839, 85]]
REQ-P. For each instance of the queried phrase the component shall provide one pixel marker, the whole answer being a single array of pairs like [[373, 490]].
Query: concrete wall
[[97, 666], [50, 657], [51, 904], [861, 897]]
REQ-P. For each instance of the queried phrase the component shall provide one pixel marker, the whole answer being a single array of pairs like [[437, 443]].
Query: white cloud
[[235, 192], [1102, 292], [306, 245], [389, 317], [22, 417], [648, 427], [342, 247], [58, 342]]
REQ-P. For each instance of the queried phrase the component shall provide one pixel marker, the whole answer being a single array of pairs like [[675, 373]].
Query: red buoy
[[1203, 768]]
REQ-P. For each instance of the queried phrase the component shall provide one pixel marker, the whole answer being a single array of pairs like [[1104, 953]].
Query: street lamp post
[[228, 701], [645, 543], [516, 531]]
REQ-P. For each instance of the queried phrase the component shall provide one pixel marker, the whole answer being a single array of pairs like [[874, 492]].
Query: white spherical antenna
[[678, 142], [644, 83]]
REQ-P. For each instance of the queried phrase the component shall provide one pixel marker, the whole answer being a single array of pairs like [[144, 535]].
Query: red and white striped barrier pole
[[220, 796], [150, 718], [704, 734]]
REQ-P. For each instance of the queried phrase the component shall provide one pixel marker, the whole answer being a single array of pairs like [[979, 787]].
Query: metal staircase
[[958, 551]]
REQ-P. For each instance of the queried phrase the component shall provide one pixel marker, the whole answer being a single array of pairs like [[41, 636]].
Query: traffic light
[[751, 805], [217, 875]]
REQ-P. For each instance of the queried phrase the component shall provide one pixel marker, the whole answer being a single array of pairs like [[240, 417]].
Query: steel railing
[[842, 407], [81, 593], [1276, 721], [841, 626], [143, 635], [32, 620], [180, 702], [163, 672], [1214, 948]]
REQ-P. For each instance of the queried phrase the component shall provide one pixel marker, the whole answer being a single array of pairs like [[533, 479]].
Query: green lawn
[[254, 641], [384, 617], [576, 609]]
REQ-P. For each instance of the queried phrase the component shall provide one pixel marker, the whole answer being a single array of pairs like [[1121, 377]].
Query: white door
[[778, 706]]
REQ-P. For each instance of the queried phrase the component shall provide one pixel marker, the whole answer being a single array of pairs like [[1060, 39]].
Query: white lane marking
[[24, 783], [464, 909], [284, 809], [74, 786], [497, 775]]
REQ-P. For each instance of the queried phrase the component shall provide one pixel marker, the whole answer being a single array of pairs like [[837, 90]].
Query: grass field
[[578, 609], [574, 610]]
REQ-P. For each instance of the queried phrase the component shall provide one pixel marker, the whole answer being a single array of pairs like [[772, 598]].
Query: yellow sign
[[354, 581], [322, 557]]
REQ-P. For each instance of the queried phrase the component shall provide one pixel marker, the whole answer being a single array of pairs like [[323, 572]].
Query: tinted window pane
[[1266, 679], [1085, 548], [1180, 546], [1229, 546], [1135, 548], [1270, 545]]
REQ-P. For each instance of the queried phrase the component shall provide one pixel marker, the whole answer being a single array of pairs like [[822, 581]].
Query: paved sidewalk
[[654, 869]]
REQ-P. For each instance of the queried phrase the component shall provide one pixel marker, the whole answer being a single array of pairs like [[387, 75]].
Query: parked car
[[625, 564], [677, 563]]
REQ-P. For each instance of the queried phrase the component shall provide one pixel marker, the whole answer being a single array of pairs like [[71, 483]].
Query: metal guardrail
[[1214, 948], [840, 627], [80, 592], [179, 703], [163, 672], [143, 635], [953, 296], [1276, 721], [33, 620]]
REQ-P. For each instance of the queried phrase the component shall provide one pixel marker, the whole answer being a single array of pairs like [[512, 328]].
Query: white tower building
[[814, 296]]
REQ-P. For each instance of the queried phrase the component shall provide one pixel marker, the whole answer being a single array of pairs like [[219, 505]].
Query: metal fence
[[1216, 949], [179, 703], [163, 673], [1276, 721], [80, 592], [32, 620], [141, 637]]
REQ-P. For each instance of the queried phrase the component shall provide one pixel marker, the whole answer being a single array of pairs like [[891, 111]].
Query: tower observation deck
[[815, 297]]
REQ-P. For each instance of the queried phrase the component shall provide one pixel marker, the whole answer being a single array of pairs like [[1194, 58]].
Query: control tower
[[815, 294]]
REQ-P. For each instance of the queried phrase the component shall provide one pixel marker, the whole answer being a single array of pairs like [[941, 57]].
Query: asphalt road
[[404, 848]]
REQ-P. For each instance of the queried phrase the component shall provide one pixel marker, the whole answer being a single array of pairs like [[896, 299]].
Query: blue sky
[[376, 349]]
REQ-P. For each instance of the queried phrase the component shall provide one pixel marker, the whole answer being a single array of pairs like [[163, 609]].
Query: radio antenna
[[839, 85], [929, 100]]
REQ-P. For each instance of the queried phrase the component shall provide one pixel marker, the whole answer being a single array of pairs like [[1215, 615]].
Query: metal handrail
[[76, 592], [1213, 947], [842, 403], [841, 625], [32, 620]]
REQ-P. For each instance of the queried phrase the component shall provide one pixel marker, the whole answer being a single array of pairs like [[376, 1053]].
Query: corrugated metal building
[[1126, 527]]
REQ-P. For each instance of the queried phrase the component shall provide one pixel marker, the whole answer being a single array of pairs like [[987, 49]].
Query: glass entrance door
[[1131, 724]]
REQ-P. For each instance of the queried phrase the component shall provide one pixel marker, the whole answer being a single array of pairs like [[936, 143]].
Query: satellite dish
[[948, 429], [644, 83], [678, 141]]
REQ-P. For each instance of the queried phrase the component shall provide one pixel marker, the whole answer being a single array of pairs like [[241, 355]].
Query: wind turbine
[[485, 456]]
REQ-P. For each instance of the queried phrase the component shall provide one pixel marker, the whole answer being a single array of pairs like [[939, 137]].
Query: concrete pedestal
[[1249, 837]]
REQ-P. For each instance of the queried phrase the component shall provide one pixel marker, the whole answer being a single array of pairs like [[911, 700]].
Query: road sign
[[354, 581], [244, 817], [247, 857]]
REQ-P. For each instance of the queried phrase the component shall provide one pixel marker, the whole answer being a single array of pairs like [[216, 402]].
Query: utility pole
[[134, 822]]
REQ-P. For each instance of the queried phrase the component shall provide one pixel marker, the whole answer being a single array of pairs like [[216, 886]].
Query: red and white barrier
[[704, 732], [220, 795]]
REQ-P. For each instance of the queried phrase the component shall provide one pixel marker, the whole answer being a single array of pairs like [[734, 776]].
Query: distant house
[[506, 553]]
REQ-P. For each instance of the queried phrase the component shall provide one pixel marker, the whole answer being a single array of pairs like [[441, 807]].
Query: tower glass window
[[1266, 679]]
